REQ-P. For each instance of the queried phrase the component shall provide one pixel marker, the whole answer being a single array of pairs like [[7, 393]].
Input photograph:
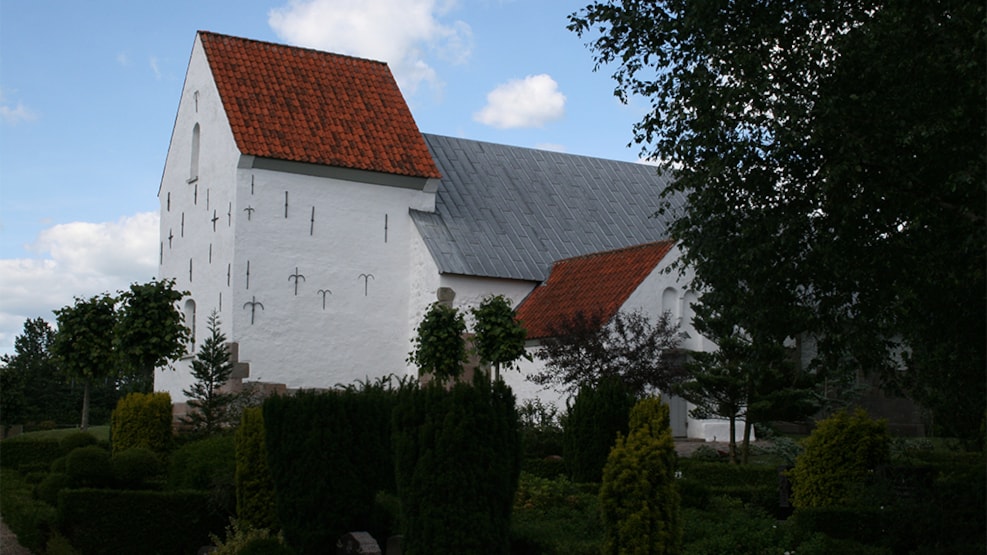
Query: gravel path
[[8, 542]]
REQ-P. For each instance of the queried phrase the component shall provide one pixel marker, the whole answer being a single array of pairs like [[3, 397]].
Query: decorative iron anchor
[[295, 277], [253, 304], [250, 212], [323, 292], [366, 278]]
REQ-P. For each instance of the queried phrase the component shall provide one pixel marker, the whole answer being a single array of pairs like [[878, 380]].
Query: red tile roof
[[596, 285], [309, 106]]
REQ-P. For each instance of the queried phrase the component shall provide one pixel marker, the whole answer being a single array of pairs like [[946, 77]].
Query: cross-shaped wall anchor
[[253, 304], [295, 277], [214, 219], [250, 211]]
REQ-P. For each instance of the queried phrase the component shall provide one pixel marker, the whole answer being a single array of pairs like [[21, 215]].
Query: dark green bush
[[109, 522], [591, 426], [207, 464], [457, 461], [76, 440], [255, 504], [89, 467], [548, 467], [31, 519], [17, 452], [49, 487], [58, 465], [329, 453], [749, 483], [134, 466], [840, 457], [142, 420], [555, 517], [266, 546]]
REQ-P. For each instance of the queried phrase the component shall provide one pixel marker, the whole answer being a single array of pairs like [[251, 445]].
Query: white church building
[[302, 204]]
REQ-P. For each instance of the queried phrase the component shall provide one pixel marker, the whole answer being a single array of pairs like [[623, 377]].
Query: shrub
[[31, 519], [639, 502], [840, 455], [89, 467], [24, 450], [329, 454], [254, 486], [49, 487], [207, 464], [555, 517], [591, 425], [142, 420], [243, 538], [457, 461], [131, 468], [119, 521], [76, 440]]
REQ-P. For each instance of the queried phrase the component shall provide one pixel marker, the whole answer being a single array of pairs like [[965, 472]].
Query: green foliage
[[75, 440], [121, 521], [149, 330], [142, 420], [555, 516], [133, 467], [584, 351], [755, 485], [83, 346], [243, 538], [457, 461], [209, 405], [32, 388], [439, 348], [591, 426], [498, 336], [47, 490], [639, 502], [31, 519], [26, 450], [89, 467], [329, 453], [255, 506], [840, 456], [818, 152], [207, 464]]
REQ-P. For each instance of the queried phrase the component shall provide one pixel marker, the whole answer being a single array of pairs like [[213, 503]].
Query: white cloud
[[15, 113], [399, 32], [153, 62], [78, 259], [529, 102]]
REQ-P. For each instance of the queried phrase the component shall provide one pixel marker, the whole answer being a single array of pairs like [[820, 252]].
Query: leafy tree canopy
[[498, 336], [584, 350], [150, 330], [832, 155]]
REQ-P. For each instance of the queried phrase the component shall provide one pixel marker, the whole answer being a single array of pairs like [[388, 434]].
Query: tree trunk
[[747, 440], [733, 439], [84, 426]]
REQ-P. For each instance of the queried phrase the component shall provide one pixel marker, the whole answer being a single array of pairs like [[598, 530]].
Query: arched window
[[193, 173], [688, 300], [189, 314], [669, 302]]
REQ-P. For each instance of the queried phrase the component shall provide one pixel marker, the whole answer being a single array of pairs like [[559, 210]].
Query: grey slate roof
[[510, 212]]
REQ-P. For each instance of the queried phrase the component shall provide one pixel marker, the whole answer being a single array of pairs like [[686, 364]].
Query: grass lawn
[[101, 433]]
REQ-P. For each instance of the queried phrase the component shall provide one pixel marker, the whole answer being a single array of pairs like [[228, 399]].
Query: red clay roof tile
[[596, 284], [309, 106]]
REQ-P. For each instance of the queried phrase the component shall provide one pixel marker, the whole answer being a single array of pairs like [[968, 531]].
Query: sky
[[89, 91]]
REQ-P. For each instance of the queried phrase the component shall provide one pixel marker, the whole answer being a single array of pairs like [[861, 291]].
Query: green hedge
[[752, 484], [329, 453], [22, 451], [591, 426], [98, 521], [255, 504], [142, 420]]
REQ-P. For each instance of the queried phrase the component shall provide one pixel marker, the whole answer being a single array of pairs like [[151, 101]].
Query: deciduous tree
[[497, 335], [150, 329], [83, 345], [834, 173]]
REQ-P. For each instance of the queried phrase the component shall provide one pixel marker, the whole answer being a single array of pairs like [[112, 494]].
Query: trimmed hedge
[[329, 453], [22, 451], [457, 461], [98, 521], [591, 426], [255, 505], [142, 420], [89, 467]]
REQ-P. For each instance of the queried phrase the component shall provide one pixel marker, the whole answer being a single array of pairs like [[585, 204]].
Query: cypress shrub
[[89, 467], [457, 462], [329, 454], [207, 464], [142, 420], [840, 457], [639, 502], [591, 425], [254, 486]]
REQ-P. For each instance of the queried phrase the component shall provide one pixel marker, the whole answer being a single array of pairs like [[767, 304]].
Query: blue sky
[[89, 91]]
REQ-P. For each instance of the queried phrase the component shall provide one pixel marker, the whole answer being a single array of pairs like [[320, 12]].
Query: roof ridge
[[291, 47], [642, 246]]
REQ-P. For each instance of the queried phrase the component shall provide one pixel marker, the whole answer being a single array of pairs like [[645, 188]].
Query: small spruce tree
[[639, 501], [210, 405]]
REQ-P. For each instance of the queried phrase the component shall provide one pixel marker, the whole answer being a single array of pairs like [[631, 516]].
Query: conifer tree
[[210, 405]]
